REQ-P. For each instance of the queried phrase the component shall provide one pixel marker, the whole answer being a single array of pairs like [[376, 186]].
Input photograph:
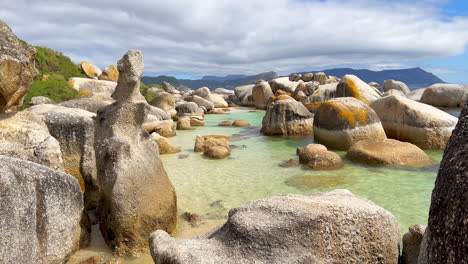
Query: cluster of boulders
[[64, 165]]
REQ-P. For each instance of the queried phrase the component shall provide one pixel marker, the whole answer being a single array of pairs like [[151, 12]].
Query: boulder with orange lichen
[[91, 70], [110, 73], [92, 88], [285, 116], [341, 122], [352, 86]]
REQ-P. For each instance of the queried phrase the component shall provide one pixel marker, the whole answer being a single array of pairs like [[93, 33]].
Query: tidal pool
[[209, 188]]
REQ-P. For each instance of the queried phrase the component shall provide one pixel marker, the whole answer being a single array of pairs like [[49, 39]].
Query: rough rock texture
[[414, 122], [110, 73], [284, 84], [37, 100], [17, 69], [317, 157], [447, 232], [307, 77], [217, 152], [261, 94], [138, 197], [25, 136], [91, 70], [411, 244], [165, 146], [183, 123], [95, 88], [164, 101], [352, 86], [41, 211], [443, 95], [88, 104], [286, 116], [240, 123], [243, 95], [323, 93], [74, 130], [388, 152], [332, 227], [395, 85], [320, 77], [341, 122], [202, 143], [169, 88], [202, 102], [189, 109]]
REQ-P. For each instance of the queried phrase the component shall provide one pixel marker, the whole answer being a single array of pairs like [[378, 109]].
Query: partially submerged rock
[[17, 69], [202, 143], [183, 123], [421, 124], [164, 145], [217, 152], [317, 157], [341, 228], [341, 122], [41, 211], [138, 197], [286, 116], [225, 123], [388, 152], [240, 123], [24, 135]]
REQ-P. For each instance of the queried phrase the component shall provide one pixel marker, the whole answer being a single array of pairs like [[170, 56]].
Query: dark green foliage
[[55, 88], [50, 61]]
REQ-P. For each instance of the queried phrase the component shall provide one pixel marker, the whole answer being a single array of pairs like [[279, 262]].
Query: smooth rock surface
[[388, 152], [261, 94], [317, 157], [95, 88], [395, 85], [91, 70], [443, 95], [332, 227], [352, 86], [410, 121]]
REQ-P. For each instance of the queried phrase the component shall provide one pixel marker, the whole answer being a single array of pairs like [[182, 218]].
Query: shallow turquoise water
[[210, 188]]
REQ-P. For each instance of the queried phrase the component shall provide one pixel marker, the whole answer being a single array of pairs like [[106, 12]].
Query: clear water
[[210, 188]]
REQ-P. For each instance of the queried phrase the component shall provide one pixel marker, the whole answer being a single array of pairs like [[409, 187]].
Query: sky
[[189, 39]]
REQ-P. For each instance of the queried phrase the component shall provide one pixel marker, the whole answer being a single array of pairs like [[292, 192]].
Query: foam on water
[[210, 188]]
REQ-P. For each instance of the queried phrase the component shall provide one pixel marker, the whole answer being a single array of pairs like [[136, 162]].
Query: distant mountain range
[[414, 78]]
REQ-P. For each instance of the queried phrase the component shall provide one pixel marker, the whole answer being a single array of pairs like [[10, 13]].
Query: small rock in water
[[225, 123], [289, 163], [217, 204], [253, 111], [182, 156], [241, 123], [193, 219]]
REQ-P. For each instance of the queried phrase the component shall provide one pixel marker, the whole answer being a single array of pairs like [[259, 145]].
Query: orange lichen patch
[[355, 91], [216, 136], [351, 116], [273, 97], [283, 97], [281, 92], [312, 107], [111, 73], [71, 83], [76, 173], [45, 77], [89, 69], [83, 94], [317, 92]]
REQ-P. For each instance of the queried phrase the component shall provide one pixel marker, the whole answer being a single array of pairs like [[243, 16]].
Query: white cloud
[[242, 36]]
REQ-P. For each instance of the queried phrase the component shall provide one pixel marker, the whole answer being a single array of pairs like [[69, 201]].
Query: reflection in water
[[209, 188]]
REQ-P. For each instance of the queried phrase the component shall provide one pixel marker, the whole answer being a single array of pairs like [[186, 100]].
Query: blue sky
[[189, 39]]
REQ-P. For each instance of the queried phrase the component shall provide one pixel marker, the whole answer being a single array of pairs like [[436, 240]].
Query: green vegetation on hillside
[[144, 90], [59, 68], [55, 88]]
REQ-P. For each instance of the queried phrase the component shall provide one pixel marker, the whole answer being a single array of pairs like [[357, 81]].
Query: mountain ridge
[[413, 77]]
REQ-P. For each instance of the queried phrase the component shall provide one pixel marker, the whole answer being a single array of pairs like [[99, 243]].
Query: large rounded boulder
[[284, 84], [388, 152], [352, 86], [17, 69], [261, 94], [243, 95], [421, 124], [331, 227], [341, 122], [285, 116], [164, 101], [41, 213], [443, 95], [395, 85]]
